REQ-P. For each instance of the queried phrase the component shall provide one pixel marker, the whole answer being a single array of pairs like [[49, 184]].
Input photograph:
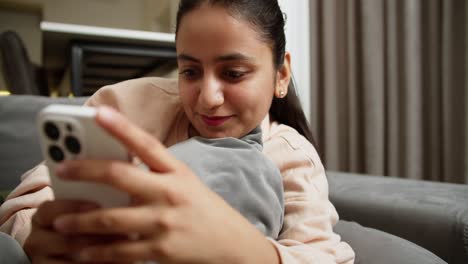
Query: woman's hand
[[45, 245], [175, 218]]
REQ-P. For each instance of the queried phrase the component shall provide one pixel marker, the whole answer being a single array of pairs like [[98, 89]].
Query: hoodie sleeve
[[307, 235]]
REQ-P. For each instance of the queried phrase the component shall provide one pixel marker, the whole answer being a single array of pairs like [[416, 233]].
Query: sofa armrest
[[432, 215]]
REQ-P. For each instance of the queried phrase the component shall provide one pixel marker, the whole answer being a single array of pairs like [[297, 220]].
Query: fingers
[[145, 146], [48, 211], [50, 247], [120, 175], [129, 251], [141, 220], [47, 260], [45, 245], [44, 242]]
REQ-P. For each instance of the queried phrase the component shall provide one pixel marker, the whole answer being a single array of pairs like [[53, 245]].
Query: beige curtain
[[389, 85]]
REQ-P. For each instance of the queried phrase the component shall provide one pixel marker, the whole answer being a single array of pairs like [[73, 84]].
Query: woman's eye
[[189, 74], [234, 75]]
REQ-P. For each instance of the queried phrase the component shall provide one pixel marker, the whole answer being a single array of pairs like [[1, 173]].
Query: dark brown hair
[[267, 19]]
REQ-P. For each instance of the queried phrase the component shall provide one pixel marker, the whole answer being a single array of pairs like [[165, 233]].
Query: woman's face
[[226, 73]]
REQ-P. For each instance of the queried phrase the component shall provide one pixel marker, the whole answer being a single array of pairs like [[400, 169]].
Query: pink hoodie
[[154, 104]]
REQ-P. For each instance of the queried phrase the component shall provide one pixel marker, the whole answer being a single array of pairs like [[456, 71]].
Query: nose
[[211, 93]]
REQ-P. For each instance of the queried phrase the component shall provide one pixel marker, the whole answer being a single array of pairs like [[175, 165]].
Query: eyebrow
[[228, 57]]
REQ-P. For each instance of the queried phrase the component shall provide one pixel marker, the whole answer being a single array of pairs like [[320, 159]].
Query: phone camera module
[[51, 130], [56, 153], [72, 144]]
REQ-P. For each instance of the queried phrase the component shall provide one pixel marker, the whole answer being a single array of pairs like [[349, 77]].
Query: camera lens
[[72, 144], [51, 130], [56, 153]]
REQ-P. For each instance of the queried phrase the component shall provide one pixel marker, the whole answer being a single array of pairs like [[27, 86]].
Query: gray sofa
[[380, 215]]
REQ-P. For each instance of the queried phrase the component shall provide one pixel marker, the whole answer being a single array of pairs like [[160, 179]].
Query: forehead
[[214, 28]]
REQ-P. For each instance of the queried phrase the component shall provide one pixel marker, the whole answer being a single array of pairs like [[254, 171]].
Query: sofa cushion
[[11, 251], [374, 246], [433, 215], [19, 144]]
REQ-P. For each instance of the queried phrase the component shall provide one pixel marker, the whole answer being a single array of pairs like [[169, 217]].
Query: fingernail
[[61, 170], [106, 114], [61, 224]]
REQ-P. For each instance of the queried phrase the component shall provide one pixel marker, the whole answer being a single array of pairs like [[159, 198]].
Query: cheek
[[238, 96], [188, 97], [252, 102]]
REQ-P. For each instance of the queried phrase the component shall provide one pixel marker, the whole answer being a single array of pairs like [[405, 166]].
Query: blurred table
[[98, 56]]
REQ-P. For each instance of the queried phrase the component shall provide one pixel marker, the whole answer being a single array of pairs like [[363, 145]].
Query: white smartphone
[[68, 132]]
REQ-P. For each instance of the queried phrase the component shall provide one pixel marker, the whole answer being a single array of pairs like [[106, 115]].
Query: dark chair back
[[20, 73]]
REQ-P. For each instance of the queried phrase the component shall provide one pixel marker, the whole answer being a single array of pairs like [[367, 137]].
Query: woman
[[233, 72]]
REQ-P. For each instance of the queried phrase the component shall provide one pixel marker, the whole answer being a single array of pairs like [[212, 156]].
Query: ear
[[283, 77]]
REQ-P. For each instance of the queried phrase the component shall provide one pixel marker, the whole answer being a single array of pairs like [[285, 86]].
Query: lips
[[215, 120]]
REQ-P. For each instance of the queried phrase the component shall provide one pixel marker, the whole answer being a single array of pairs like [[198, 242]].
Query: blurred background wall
[[24, 17]]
